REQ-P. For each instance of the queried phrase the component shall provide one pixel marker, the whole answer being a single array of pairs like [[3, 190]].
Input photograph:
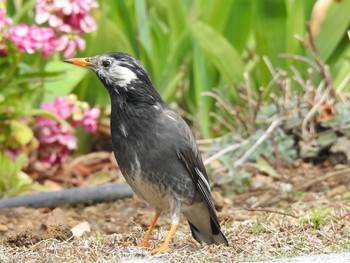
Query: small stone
[[3, 228]]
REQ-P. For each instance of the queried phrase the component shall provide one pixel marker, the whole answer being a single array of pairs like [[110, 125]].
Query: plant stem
[[12, 71]]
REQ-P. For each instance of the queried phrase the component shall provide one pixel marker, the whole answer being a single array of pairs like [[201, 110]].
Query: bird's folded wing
[[196, 169]]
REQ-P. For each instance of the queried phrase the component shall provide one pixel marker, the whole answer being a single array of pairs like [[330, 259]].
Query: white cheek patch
[[117, 76], [121, 76]]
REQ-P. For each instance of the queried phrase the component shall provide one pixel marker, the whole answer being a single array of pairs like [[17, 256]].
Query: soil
[[304, 210]]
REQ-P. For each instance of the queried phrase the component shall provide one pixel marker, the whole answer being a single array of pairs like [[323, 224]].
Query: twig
[[250, 102], [343, 83], [277, 152], [301, 58], [308, 116], [306, 185], [270, 211], [323, 68], [222, 120], [297, 76], [266, 134], [219, 100], [209, 140], [226, 106], [230, 148]]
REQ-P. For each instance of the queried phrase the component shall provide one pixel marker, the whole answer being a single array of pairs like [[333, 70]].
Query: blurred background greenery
[[232, 68], [189, 47]]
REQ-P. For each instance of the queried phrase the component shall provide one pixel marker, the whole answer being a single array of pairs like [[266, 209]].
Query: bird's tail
[[217, 237], [204, 228]]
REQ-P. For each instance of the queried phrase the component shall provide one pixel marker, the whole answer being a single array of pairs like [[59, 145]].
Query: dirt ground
[[304, 211]]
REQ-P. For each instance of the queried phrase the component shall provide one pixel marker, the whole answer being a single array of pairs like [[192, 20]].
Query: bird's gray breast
[[148, 159]]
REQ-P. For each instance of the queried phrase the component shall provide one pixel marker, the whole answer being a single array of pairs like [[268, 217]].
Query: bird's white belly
[[151, 193]]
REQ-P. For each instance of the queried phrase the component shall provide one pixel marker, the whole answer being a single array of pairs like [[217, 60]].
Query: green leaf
[[334, 29], [203, 81], [326, 139], [266, 168], [28, 6], [241, 17], [71, 76], [21, 132], [269, 28], [220, 52]]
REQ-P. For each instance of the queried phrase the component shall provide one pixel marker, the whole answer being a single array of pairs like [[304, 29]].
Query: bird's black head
[[121, 74]]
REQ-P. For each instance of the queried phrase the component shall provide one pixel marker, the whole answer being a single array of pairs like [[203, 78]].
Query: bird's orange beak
[[82, 62]]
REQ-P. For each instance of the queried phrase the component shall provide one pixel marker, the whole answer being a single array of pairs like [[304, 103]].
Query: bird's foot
[[144, 244], [162, 249]]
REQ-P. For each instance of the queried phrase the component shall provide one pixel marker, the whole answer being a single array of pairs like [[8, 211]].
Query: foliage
[[32, 34], [189, 47], [311, 125], [317, 217], [11, 183], [25, 73]]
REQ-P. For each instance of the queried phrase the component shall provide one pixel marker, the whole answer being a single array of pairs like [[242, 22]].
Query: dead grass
[[261, 237], [275, 224]]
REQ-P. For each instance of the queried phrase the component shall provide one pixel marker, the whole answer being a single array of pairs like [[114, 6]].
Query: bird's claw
[[162, 249], [143, 244]]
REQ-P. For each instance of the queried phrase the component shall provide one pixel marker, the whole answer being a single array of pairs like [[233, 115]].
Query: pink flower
[[13, 154], [84, 23], [56, 141], [53, 153], [69, 18], [69, 45], [66, 15], [4, 21], [29, 39], [45, 12], [89, 122], [48, 41], [75, 7]]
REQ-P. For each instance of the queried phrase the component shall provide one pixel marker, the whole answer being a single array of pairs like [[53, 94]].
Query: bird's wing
[[189, 155]]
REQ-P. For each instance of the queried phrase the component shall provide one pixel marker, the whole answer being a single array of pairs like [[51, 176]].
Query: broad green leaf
[[334, 29], [143, 24], [203, 81], [220, 52], [295, 25], [64, 85], [217, 14], [174, 12], [238, 25], [269, 30], [21, 132]]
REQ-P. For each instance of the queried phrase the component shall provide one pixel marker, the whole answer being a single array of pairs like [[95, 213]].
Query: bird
[[155, 150]]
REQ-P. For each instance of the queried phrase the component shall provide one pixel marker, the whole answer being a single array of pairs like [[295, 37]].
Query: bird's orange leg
[[145, 240], [165, 246]]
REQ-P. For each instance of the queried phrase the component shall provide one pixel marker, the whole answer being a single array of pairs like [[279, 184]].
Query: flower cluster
[[67, 21], [4, 22], [29, 39], [56, 140], [70, 19]]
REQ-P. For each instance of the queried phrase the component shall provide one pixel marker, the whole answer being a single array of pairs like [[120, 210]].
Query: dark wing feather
[[187, 151], [189, 155], [195, 167]]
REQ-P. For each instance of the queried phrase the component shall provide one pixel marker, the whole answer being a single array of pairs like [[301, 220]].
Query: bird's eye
[[106, 63]]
